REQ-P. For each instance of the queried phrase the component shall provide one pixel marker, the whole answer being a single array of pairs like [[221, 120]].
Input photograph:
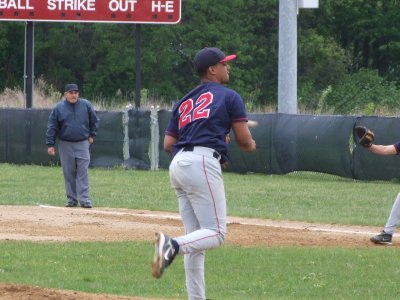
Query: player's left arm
[[239, 124], [243, 136]]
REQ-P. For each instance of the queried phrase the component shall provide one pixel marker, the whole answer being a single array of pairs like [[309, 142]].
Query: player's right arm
[[168, 142], [383, 149], [243, 136]]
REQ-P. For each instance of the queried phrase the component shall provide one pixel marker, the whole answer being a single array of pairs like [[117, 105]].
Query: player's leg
[[194, 272], [166, 248], [68, 164], [205, 203], [394, 217], [206, 193], [193, 262], [199, 185], [385, 237], [195, 189]]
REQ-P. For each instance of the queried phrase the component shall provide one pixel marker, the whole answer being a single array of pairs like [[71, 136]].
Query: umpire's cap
[[208, 57], [71, 87]]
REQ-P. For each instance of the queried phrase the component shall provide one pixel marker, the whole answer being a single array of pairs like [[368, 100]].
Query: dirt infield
[[48, 223]]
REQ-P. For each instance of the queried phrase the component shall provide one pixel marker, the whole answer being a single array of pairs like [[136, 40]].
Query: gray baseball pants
[[75, 159], [394, 217], [197, 179]]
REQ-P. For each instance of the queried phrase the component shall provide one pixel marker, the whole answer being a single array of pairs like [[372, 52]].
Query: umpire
[[74, 122]]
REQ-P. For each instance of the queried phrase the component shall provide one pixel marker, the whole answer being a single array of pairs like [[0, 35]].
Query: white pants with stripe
[[197, 177]]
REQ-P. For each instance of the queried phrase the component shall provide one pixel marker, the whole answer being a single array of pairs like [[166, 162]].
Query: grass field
[[232, 272], [303, 196]]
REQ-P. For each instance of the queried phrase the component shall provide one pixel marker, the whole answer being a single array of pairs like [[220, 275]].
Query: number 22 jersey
[[204, 116]]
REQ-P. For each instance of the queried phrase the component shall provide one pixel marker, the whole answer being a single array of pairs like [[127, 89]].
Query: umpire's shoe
[[383, 238], [165, 253], [71, 203], [86, 205]]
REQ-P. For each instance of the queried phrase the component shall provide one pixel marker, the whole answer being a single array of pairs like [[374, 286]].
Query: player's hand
[[91, 140], [243, 136], [227, 138], [254, 145], [51, 151]]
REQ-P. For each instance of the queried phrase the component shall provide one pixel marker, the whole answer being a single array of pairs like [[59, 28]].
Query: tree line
[[348, 58]]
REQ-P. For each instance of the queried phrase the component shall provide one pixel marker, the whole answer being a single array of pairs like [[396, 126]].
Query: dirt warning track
[[60, 224]]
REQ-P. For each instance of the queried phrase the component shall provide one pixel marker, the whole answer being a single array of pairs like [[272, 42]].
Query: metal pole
[[29, 63], [287, 63], [138, 67]]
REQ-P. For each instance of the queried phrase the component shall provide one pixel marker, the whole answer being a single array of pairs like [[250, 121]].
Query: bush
[[363, 92]]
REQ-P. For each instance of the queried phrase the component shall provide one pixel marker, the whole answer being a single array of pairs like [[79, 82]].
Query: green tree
[[62, 52], [321, 63], [247, 28], [112, 64], [367, 30], [11, 54]]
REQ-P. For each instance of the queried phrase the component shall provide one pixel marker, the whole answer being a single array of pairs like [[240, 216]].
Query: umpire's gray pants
[[75, 159]]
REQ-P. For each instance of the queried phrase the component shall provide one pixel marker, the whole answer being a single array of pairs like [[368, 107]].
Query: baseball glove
[[365, 136]]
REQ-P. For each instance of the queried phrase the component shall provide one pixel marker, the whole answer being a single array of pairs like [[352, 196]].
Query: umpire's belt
[[210, 152]]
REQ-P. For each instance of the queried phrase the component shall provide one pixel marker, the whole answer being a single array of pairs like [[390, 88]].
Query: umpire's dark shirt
[[71, 122]]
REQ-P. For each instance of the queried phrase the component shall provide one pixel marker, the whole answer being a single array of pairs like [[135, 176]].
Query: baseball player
[[385, 237], [196, 136], [74, 122], [366, 139]]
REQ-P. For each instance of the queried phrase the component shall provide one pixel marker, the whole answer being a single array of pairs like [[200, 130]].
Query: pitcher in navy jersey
[[196, 136]]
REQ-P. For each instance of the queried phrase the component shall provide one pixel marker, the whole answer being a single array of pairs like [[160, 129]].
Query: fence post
[[155, 139], [125, 121]]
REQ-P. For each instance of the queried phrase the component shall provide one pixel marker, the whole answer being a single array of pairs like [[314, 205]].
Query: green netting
[[22, 138], [285, 143], [139, 136], [107, 150], [3, 136], [288, 143], [313, 143]]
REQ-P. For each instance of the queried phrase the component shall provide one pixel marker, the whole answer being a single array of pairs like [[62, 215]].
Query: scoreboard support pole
[[138, 76], [29, 63]]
